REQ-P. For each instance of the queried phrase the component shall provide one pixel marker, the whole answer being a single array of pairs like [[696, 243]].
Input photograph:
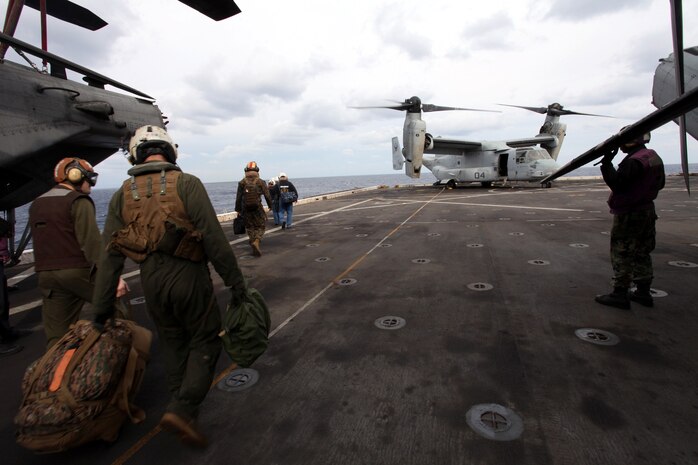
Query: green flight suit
[[64, 291], [179, 293]]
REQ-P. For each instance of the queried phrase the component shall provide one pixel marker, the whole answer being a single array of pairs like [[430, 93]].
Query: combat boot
[[642, 295], [618, 298], [256, 251], [184, 429]]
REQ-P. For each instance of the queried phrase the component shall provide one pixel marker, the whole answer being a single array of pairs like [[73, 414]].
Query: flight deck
[[425, 325]]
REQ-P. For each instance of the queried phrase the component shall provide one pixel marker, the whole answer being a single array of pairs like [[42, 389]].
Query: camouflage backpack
[[81, 389], [250, 195]]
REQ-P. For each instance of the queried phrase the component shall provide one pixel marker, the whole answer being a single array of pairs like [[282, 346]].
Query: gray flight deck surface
[[493, 286]]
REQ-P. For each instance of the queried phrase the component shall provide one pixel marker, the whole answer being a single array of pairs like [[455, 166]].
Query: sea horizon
[[222, 193]]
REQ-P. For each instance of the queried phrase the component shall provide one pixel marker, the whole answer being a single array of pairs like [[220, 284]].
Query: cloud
[[575, 10]]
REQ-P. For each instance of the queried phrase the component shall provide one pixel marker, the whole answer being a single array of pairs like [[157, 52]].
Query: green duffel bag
[[246, 327]]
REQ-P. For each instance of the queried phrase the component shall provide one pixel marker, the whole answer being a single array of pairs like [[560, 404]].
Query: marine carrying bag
[[81, 389], [246, 326]]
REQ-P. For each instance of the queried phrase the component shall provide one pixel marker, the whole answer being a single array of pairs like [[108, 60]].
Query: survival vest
[[250, 194], [55, 244], [156, 220], [644, 190]]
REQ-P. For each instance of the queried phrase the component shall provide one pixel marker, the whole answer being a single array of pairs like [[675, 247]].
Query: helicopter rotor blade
[[69, 12], [393, 107], [554, 109], [677, 33], [427, 107], [415, 105]]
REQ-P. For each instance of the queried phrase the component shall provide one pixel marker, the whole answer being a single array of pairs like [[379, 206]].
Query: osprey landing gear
[[451, 184]]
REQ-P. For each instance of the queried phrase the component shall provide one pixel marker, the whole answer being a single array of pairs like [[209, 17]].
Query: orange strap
[[60, 370]]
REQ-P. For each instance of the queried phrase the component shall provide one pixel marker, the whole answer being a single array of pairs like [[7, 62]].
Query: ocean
[[222, 194]]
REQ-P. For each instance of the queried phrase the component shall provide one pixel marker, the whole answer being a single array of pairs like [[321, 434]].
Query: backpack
[[250, 195], [81, 389], [288, 197], [245, 333]]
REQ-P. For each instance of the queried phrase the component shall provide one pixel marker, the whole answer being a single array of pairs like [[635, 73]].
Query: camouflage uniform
[[255, 220], [634, 186], [179, 292]]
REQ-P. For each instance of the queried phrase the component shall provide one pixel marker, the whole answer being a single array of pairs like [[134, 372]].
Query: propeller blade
[[660, 117], [394, 107], [541, 110], [69, 12], [677, 32], [553, 109], [214, 9], [415, 105], [427, 107]]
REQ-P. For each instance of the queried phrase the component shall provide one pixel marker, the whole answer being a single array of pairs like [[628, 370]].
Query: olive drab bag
[[82, 389], [246, 326]]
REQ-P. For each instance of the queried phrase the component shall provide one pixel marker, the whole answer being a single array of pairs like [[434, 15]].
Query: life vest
[[156, 220]]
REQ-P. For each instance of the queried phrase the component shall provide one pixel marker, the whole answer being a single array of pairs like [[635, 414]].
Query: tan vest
[[156, 220]]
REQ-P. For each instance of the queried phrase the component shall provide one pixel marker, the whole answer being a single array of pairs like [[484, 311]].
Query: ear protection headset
[[74, 170]]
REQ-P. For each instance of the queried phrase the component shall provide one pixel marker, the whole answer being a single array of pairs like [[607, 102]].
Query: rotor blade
[[402, 106], [677, 33], [69, 12], [672, 110], [684, 152], [553, 111], [427, 107], [570, 112], [214, 9], [541, 110]]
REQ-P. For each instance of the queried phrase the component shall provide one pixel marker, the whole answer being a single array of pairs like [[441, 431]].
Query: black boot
[[618, 298], [642, 295]]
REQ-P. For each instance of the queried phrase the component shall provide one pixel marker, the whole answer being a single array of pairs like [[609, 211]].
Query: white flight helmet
[[148, 140]]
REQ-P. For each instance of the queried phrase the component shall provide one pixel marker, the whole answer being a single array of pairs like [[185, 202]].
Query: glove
[[608, 157], [237, 294], [100, 319]]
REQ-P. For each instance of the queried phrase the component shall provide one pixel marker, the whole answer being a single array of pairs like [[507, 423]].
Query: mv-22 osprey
[[454, 161]]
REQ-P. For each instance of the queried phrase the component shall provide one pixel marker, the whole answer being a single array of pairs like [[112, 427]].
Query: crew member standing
[[634, 186], [67, 245], [248, 203], [163, 219]]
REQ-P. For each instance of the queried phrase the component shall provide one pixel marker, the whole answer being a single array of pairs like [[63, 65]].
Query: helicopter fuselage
[[498, 163], [45, 118]]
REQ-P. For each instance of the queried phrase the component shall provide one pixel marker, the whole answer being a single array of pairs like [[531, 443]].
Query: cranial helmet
[[251, 166], [283, 175], [75, 171], [151, 140], [639, 140]]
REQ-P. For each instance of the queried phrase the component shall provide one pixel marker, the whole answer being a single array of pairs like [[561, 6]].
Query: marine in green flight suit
[[160, 200]]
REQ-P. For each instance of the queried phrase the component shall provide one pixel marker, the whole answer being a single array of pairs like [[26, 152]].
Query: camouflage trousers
[[255, 224], [632, 241]]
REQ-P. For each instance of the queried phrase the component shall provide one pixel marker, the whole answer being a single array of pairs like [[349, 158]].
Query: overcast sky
[[274, 83]]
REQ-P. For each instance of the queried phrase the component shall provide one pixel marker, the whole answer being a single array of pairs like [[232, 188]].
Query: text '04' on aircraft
[[454, 161], [675, 97], [45, 117]]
